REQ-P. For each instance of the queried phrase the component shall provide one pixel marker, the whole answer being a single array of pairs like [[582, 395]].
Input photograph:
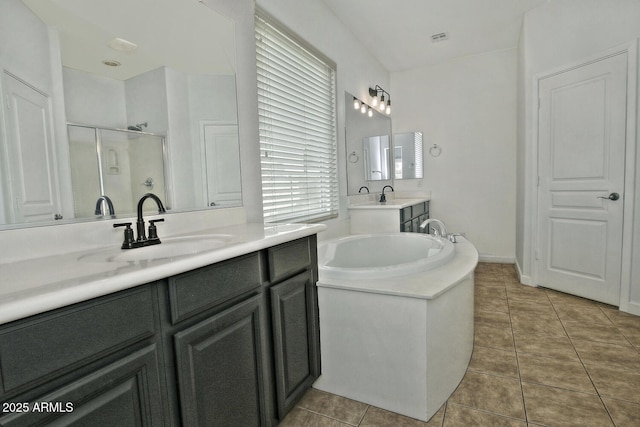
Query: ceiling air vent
[[439, 37]]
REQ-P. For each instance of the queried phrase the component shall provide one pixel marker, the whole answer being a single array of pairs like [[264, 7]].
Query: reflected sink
[[173, 247]]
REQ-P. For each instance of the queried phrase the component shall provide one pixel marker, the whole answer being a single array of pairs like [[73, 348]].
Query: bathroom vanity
[[390, 217], [224, 337]]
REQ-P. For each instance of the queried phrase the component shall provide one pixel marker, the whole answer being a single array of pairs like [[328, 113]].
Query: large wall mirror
[[115, 98], [374, 157]]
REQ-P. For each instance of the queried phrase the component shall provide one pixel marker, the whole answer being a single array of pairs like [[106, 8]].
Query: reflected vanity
[[89, 114]]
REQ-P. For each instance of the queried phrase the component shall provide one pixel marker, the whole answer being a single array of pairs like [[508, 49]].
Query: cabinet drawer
[[52, 344], [193, 292], [289, 258]]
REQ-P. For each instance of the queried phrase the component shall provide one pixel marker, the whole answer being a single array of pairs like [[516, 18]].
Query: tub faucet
[[106, 199], [438, 233], [383, 198]]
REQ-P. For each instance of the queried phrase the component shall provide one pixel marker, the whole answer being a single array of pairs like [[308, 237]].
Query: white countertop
[[424, 285], [389, 204], [41, 284]]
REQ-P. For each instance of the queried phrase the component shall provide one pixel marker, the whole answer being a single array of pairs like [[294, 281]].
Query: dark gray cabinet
[[220, 371], [235, 343], [412, 216]]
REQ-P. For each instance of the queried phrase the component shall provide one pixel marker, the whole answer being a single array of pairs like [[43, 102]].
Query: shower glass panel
[[120, 164]]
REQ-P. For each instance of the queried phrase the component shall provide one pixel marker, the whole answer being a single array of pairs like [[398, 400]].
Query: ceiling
[[398, 32]]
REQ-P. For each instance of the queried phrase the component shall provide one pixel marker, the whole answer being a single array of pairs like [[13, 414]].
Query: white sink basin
[[173, 247]]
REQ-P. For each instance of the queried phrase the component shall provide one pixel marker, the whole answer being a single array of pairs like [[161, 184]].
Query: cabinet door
[[220, 368], [124, 393], [295, 335]]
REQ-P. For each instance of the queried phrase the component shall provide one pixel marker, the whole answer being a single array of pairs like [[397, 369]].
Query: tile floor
[[541, 358]]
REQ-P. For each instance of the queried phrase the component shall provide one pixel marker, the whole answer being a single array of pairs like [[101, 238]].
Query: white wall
[[468, 107], [560, 33]]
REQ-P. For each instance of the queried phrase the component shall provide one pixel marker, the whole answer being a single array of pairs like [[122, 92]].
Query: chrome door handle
[[612, 196]]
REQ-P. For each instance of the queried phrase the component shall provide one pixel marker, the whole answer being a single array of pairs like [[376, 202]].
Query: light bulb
[[370, 112], [363, 108], [388, 110], [374, 101], [356, 103], [382, 105]]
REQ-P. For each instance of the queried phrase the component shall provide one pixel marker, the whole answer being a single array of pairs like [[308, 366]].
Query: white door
[[30, 149], [582, 126], [222, 165]]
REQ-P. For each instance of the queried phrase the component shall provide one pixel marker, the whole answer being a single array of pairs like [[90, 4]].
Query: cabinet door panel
[[220, 368], [294, 319], [124, 393]]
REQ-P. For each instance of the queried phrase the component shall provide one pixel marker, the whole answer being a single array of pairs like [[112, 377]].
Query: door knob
[[612, 196]]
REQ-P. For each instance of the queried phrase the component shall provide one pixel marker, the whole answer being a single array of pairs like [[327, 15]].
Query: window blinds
[[296, 108]]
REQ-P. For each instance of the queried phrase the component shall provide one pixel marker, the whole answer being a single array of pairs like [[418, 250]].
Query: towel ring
[[435, 150], [353, 157]]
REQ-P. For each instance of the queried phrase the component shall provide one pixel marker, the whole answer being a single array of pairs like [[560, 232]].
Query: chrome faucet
[[142, 240], [107, 200], [438, 233], [383, 198]]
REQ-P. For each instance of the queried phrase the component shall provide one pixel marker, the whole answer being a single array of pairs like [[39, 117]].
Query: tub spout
[[426, 225]]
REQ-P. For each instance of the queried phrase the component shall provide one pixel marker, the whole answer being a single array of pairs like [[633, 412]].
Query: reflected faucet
[[441, 233], [383, 198], [365, 187], [106, 199]]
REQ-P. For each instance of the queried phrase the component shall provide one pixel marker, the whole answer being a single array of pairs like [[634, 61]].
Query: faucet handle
[[128, 235], [153, 231]]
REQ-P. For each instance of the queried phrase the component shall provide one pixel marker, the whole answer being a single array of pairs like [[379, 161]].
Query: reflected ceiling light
[[385, 103], [122, 45], [356, 103], [111, 63]]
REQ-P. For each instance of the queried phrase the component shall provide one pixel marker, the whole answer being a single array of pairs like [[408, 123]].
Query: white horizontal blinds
[[296, 108]]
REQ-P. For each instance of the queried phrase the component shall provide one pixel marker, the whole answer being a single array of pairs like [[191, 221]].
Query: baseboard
[[524, 279], [496, 259], [634, 308]]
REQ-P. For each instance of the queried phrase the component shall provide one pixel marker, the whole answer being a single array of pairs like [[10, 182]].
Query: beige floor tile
[[623, 413], [563, 299], [582, 313], [620, 318], [491, 304], [545, 345], [594, 332], [492, 318], [490, 292], [564, 374], [524, 292], [489, 282], [538, 307], [557, 407], [488, 336], [298, 417], [494, 361], [499, 395], [462, 416], [617, 383], [537, 324], [376, 417], [333, 406], [607, 354]]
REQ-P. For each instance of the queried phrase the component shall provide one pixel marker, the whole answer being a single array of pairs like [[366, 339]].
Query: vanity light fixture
[[384, 104], [368, 109]]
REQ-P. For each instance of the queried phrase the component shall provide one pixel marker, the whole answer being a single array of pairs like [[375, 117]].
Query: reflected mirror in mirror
[[368, 148], [408, 157], [377, 162], [164, 68]]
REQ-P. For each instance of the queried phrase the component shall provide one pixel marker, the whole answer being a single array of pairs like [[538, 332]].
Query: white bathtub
[[368, 256], [396, 319]]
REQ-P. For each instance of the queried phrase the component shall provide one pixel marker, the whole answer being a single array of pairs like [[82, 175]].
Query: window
[[297, 122]]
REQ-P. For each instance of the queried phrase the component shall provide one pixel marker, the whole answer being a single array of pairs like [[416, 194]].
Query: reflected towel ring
[[353, 157], [435, 150]]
